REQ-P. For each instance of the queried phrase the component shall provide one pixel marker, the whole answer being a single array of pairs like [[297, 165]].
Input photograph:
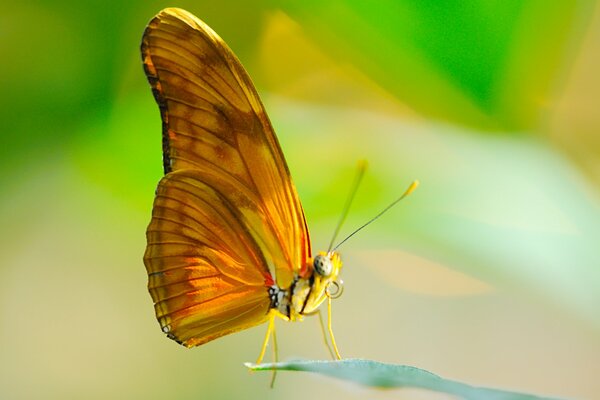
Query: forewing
[[206, 273], [214, 123]]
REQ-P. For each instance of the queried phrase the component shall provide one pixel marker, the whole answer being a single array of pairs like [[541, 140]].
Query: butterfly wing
[[206, 273], [246, 221]]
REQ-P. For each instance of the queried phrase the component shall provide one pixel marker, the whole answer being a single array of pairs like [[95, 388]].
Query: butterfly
[[228, 247]]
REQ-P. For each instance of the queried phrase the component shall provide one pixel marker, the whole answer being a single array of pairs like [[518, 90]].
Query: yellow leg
[[275, 356], [337, 352], [270, 329], [325, 335]]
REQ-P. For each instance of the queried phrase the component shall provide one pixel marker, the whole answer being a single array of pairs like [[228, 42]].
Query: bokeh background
[[489, 273]]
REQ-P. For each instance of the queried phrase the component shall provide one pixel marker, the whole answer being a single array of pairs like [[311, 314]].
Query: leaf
[[382, 375]]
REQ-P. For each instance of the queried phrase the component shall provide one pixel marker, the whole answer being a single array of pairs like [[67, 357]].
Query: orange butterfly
[[228, 246]]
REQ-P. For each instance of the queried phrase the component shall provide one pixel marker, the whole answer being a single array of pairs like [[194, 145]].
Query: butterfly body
[[306, 294], [228, 246]]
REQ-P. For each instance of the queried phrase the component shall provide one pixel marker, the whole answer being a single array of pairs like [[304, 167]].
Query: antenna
[[408, 191], [361, 168]]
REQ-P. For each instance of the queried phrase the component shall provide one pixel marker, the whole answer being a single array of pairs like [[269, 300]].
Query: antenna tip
[[411, 188]]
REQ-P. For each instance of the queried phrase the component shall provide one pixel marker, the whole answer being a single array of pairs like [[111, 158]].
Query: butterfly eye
[[323, 265]]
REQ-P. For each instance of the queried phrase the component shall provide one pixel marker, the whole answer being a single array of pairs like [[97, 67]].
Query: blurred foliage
[[487, 64], [492, 262]]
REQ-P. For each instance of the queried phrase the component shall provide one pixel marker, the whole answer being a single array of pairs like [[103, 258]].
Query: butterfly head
[[325, 283]]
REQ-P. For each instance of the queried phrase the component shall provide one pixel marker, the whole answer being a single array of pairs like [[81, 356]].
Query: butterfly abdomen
[[290, 303]]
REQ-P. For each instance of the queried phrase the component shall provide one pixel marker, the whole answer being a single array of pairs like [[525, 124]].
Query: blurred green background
[[488, 274]]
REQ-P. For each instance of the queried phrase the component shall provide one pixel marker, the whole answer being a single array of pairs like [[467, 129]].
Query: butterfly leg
[[275, 356], [325, 334], [270, 330], [337, 352]]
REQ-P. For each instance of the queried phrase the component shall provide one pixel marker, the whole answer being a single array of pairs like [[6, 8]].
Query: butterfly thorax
[[306, 293]]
